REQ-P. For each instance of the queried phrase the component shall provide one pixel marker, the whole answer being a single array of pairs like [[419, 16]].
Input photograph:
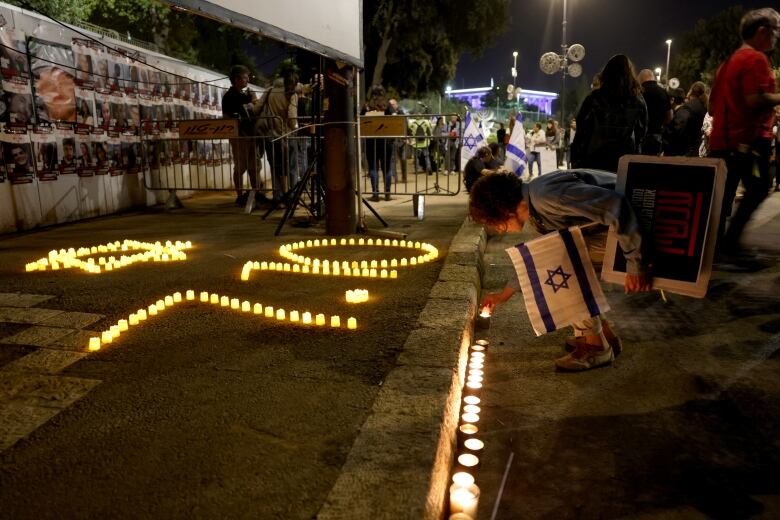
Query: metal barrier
[[262, 163], [407, 155]]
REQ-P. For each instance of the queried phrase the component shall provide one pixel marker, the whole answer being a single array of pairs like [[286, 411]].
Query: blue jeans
[[534, 157], [379, 154]]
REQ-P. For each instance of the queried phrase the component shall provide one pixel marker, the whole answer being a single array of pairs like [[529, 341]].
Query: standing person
[[378, 150], [243, 148], [453, 142], [659, 111], [277, 117], [741, 103], [553, 138], [557, 201], [421, 132], [438, 143], [568, 138], [538, 142], [501, 140], [683, 135], [612, 120], [399, 145], [776, 148]]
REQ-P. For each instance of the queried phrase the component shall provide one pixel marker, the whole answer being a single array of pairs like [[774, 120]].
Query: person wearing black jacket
[[682, 136], [243, 148]]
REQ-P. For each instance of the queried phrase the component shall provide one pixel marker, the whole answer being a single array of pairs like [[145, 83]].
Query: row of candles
[[326, 269], [288, 251], [154, 309], [70, 258], [464, 492]]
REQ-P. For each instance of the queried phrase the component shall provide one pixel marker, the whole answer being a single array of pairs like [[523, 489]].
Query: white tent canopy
[[332, 28]]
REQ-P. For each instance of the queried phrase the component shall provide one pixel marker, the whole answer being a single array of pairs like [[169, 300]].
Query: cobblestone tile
[[22, 300], [26, 315], [77, 340], [38, 336], [73, 320], [44, 361], [42, 390], [17, 421]]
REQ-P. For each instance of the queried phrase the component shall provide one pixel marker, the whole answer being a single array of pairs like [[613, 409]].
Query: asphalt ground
[[204, 412], [686, 425]]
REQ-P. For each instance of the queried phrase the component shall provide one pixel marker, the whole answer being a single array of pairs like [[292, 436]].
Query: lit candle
[[471, 408], [470, 418], [463, 479], [393, 274], [204, 296], [374, 264], [214, 298], [468, 460], [246, 306], [306, 318], [106, 336], [94, 344], [483, 342], [122, 325], [269, 312], [280, 314], [352, 241], [474, 385], [372, 273], [320, 319], [234, 303], [464, 499], [370, 242], [263, 266], [114, 329], [471, 399], [474, 445], [294, 316], [383, 273], [190, 295], [352, 323], [257, 308], [475, 379], [152, 310], [133, 319], [141, 314], [335, 321], [169, 300]]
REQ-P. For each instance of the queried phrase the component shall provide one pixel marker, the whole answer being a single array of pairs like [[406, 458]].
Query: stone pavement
[[205, 413], [686, 425]]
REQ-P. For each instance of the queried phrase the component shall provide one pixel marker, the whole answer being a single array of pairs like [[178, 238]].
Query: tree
[[412, 48], [708, 45]]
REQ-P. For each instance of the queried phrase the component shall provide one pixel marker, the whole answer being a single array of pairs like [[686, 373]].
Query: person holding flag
[[559, 283], [473, 140], [516, 159]]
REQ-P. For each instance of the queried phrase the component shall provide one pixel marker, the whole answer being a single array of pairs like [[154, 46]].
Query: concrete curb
[[400, 462]]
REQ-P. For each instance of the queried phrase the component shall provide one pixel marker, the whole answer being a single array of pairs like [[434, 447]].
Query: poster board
[[678, 203]]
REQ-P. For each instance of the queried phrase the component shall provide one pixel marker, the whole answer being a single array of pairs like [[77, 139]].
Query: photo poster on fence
[[65, 138], [54, 80], [17, 155], [678, 202], [16, 105], [44, 147], [85, 165], [99, 141]]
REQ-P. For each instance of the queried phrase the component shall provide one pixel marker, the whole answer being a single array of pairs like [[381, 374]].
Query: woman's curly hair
[[494, 198]]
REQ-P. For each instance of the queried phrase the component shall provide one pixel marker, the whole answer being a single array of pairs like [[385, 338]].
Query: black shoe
[[388, 197], [241, 199], [375, 198]]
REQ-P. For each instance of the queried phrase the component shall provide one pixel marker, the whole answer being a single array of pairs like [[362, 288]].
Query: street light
[[514, 67], [668, 54]]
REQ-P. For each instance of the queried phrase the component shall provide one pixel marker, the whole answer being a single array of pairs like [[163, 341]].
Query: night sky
[[637, 28]]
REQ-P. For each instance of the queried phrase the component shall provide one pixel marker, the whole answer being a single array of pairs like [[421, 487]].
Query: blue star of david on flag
[[472, 140], [564, 279]]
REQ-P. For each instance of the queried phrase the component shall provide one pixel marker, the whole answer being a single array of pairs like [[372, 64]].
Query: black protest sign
[[677, 201]]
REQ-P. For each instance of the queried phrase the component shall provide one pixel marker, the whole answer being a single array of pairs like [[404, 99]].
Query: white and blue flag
[[472, 140], [558, 281], [516, 160]]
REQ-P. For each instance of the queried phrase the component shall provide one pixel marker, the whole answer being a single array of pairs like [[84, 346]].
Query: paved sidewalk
[[202, 412], [686, 425]]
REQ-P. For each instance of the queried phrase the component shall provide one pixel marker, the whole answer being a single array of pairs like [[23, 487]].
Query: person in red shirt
[[741, 104]]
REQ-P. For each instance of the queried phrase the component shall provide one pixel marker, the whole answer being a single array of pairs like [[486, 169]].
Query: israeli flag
[[557, 278], [516, 159], [472, 140]]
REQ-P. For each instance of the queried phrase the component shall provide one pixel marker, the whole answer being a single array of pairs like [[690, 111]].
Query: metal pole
[[564, 50], [668, 54]]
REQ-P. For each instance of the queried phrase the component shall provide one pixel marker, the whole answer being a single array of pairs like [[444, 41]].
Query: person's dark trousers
[[276, 153], [652, 144], [752, 168]]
